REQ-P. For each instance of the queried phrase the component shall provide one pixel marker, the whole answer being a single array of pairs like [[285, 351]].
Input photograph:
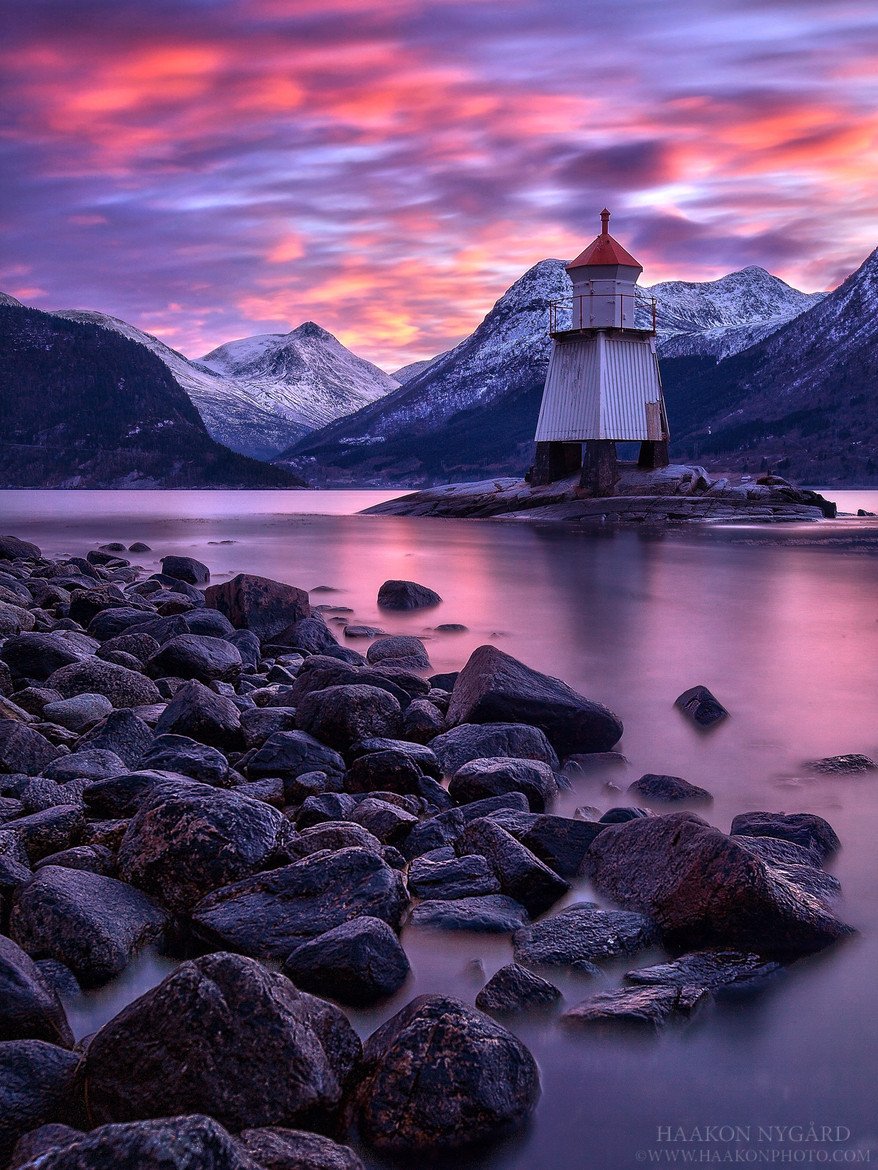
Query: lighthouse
[[603, 384]]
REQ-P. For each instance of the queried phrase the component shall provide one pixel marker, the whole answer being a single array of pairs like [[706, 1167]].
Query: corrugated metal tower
[[603, 385]]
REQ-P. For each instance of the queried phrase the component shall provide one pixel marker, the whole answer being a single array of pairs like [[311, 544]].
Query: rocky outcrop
[[259, 604], [358, 963]]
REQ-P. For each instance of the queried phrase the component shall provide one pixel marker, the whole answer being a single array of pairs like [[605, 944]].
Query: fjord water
[[783, 630]]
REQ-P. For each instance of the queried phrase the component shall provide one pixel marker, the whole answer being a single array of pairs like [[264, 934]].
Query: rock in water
[[668, 789], [521, 874], [359, 962], [259, 604], [275, 1148], [806, 830], [478, 779], [474, 741], [186, 569], [29, 1006], [842, 765], [440, 1076], [222, 1035], [701, 706], [712, 970], [641, 1007], [406, 595], [514, 989], [577, 936], [704, 889], [494, 687], [491, 914]]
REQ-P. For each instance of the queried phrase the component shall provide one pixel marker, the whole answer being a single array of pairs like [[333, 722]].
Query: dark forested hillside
[[82, 406]]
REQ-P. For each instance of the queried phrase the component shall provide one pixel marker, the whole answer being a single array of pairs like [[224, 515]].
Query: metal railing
[[589, 311]]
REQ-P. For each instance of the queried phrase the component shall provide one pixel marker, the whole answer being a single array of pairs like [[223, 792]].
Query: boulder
[[23, 749], [94, 858], [388, 771], [638, 1007], [445, 827], [341, 715], [411, 650], [559, 842], [122, 732], [440, 1076], [224, 1036], [91, 923], [247, 644], [199, 713], [93, 764], [38, 655], [78, 713], [275, 1148], [491, 914], [332, 835], [185, 569], [327, 806], [357, 963], [403, 595], [389, 823], [196, 656], [49, 830], [701, 706], [293, 753], [472, 741], [714, 970], [181, 1143], [656, 789], [180, 753], [42, 1140], [29, 1006], [705, 889], [188, 840], [209, 623], [619, 816], [14, 549], [38, 1084], [423, 756], [806, 830], [778, 852], [842, 765], [422, 721], [259, 604], [123, 687], [268, 914], [259, 724], [454, 877], [521, 874], [579, 935], [494, 687], [514, 989], [139, 646], [123, 796], [478, 779]]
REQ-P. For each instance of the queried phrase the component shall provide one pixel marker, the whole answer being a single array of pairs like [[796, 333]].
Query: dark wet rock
[[399, 647], [209, 623], [320, 671], [12, 711], [822, 886], [275, 1148], [118, 658], [180, 753], [311, 635], [559, 842], [38, 1085], [514, 989], [38, 655], [85, 603], [395, 676], [843, 765], [247, 645], [181, 1143], [224, 1036], [478, 779], [494, 687], [139, 547], [521, 874], [775, 851], [112, 623], [124, 688], [403, 595], [342, 715], [701, 706], [78, 713], [22, 749], [390, 824], [260, 723], [392, 771], [194, 656], [92, 764], [806, 830], [30, 699], [266, 915], [185, 569], [580, 935], [123, 795], [94, 858], [489, 913], [668, 789], [453, 877], [139, 646], [37, 793], [357, 631], [712, 970], [49, 830], [108, 833], [329, 806], [14, 549], [123, 733], [188, 840], [619, 816], [162, 629], [446, 827], [422, 721], [42, 1140], [259, 604], [29, 1006], [297, 789], [332, 835], [59, 976], [441, 1076], [420, 754], [640, 1007], [357, 963], [472, 741], [92, 924], [197, 712], [705, 889], [292, 753]]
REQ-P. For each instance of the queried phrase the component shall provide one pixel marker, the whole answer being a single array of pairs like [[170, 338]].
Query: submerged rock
[[668, 789], [701, 706], [491, 914], [806, 830], [406, 595], [843, 765], [580, 935], [514, 989], [711, 969], [275, 1148], [642, 1007], [358, 963]]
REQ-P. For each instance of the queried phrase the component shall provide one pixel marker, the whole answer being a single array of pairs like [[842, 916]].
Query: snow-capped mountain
[[804, 400], [473, 409], [6, 299], [260, 394], [406, 373]]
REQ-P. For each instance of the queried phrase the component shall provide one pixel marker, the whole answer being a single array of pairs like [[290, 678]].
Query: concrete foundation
[[653, 455], [554, 461], [600, 468]]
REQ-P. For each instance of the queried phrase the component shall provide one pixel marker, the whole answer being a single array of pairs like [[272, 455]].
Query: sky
[[211, 169]]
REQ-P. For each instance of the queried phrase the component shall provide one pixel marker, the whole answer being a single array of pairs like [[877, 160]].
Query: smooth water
[[780, 623]]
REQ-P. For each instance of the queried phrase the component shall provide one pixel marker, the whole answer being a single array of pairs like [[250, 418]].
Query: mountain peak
[[6, 299], [310, 329]]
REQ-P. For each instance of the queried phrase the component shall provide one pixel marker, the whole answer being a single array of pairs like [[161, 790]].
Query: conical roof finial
[[605, 222]]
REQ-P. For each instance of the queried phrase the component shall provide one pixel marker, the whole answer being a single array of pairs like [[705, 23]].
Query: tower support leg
[[554, 461], [600, 469], [653, 454]]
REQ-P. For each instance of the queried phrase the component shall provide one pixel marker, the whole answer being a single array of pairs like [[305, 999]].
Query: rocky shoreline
[[207, 770], [675, 495]]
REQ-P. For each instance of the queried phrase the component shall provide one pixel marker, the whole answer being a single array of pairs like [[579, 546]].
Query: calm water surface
[[784, 633]]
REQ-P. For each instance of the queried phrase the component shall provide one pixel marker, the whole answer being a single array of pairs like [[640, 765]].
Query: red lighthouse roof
[[604, 250]]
